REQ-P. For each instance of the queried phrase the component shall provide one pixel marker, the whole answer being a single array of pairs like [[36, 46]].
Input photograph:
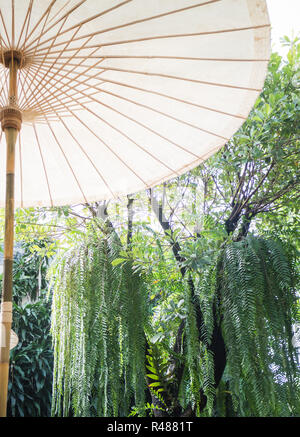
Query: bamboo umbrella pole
[[11, 124]]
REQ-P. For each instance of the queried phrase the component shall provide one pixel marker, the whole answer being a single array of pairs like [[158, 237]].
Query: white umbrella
[[101, 99]]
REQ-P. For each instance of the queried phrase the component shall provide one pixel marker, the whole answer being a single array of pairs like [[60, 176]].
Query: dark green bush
[[31, 361]]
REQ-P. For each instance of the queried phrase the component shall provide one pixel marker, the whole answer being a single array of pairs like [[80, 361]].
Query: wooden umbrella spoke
[[43, 163], [105, 144], [183, 58], [136, 122], [66, 159], [23, 81], [5, 30], [151, 109], [13, 23], [81, 23], [84, 152], [4, 89], [87, 156], [40, 105], [141, 20], [109, 81], [30, 85], [169, 76], [123, 134], [70, 80], [45, 57], [26, 20], [3, 48], [59, 11], [96, 64], [44, 17], [43, 103], [179, 35]]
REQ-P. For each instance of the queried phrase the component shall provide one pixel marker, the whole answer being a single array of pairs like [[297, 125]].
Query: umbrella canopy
[[117, 96]]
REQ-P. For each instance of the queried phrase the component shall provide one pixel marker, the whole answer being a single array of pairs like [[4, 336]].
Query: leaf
[[118, 261], [152, 376], [156, 337], [155, 384], [151, 369]]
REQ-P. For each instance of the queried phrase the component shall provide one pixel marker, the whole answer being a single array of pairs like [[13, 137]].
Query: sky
[[285, 19]]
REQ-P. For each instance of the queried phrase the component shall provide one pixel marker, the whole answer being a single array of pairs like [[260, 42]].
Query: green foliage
[[252, 284], [257, 171], [199, 363], [29, 273], [259, 305], [159, 375], [31, 361], [97, 326]]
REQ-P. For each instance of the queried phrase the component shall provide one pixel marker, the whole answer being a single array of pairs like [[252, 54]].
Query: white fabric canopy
[[117, 96]]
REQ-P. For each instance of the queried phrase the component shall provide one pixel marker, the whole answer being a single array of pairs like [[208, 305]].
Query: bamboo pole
[[11, 125]]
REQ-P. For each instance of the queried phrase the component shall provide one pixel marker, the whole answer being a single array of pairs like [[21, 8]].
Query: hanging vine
[[98, 317], [255, 281]]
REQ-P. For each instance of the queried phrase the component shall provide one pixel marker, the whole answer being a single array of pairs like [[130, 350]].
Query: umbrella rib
[[155, 93], [149, 108], [123, 134], [26, 20], [45, 14], [39, 105], [49, 68], [168, 76], [81, 22], [203, 157], [5, 30], [13, 22], [45, 63], [102, 178], [102, 141], [162, 113], [66, 14], [3, 86], [179, 35], [29, 87], [131, 119], [43, 162], [2, 66], [85, 154], [181, 58], [142, 20], [61, 9], [3, 46], [66, 159]]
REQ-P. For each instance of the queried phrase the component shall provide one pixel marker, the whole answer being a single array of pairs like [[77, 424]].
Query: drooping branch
[[130, 219], [217, 346]]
